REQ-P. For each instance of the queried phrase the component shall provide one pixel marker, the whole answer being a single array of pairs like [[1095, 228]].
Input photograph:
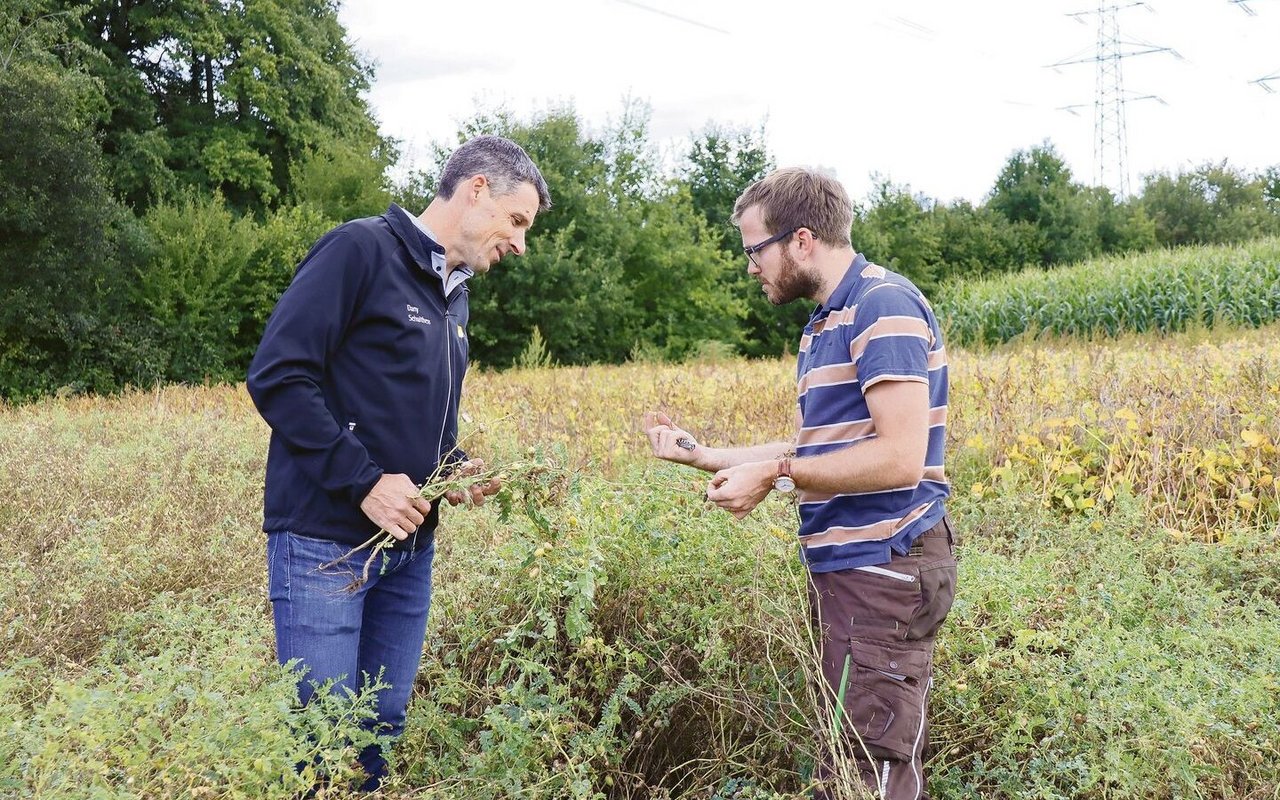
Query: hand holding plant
[[396, 506], [472, 480], [478, 490]]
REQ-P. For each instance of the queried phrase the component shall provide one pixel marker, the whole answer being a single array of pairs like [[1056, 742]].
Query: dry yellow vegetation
[[1120, 568]]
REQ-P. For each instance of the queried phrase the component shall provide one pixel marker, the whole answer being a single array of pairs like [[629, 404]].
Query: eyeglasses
[[756, 248]]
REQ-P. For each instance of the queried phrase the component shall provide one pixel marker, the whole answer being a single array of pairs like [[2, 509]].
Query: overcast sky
[[932, 93]]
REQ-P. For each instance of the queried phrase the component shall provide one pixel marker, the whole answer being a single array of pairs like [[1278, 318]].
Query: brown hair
[[795, 197]]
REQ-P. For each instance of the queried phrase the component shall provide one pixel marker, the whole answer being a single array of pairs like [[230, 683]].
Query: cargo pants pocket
[[883, 692], [937, 593]]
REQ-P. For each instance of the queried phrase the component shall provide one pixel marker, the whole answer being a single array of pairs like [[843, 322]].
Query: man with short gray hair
[[359, 374]]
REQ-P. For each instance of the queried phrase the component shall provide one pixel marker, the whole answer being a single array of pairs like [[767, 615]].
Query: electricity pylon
[[1111, 137]]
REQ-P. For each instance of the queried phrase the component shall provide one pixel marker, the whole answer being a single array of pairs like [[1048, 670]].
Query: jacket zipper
[[448, 390]]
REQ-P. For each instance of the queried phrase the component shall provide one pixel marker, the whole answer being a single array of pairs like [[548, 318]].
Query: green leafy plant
[[516, 479]]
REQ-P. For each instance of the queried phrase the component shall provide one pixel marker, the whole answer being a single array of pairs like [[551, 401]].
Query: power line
[[1265, 80], [677, 17]]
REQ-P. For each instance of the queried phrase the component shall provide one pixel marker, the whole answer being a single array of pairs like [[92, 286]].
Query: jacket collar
[[419, 245]]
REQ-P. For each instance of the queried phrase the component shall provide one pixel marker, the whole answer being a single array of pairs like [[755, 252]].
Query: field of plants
[[1115, 633], [1160, 290]]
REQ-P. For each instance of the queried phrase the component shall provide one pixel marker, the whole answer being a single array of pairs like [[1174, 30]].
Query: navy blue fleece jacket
[[358, 374]]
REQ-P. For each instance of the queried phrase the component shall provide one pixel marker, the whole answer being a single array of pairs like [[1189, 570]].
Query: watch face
[[784, 484]]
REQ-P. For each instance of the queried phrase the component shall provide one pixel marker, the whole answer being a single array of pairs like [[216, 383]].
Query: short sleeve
[[891, 337]]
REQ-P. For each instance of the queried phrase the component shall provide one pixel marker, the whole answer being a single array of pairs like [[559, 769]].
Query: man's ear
[[806, 239], [477, 185]]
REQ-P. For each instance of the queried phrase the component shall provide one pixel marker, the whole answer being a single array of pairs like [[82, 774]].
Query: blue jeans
[[345, 636]]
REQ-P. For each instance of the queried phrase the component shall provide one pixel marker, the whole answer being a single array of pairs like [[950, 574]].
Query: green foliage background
[[165, 166]]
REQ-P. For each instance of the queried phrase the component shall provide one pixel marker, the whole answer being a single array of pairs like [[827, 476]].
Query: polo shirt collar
[[439, 268], [845, 289]]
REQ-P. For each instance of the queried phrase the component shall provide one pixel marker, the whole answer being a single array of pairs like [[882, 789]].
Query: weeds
[[524, 485], [606, 634]]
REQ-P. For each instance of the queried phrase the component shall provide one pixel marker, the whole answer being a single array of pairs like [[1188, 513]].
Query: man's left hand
[[740, 489], [476, 492]]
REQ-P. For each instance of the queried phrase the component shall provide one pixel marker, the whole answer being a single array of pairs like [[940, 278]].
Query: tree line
[[165, 165]]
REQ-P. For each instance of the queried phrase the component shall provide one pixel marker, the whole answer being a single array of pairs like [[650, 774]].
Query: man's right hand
[[665, 438], [396, 505]]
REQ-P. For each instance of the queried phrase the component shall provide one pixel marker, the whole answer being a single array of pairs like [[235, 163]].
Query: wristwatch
[[784, 482]]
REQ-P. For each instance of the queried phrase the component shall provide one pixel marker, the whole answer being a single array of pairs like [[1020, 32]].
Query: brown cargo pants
[[876, 628]]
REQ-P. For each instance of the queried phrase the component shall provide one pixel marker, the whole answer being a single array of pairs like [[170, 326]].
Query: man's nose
[[517, 243]]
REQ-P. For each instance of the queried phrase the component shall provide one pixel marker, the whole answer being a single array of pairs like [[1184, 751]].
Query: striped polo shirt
[[876, 326]]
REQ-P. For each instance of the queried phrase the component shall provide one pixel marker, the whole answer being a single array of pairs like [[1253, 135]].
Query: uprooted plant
[[526, 484]]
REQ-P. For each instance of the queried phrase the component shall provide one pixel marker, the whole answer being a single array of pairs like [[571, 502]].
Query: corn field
[[1164, 291]]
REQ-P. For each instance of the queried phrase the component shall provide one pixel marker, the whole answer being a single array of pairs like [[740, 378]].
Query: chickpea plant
[[527, 485]]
